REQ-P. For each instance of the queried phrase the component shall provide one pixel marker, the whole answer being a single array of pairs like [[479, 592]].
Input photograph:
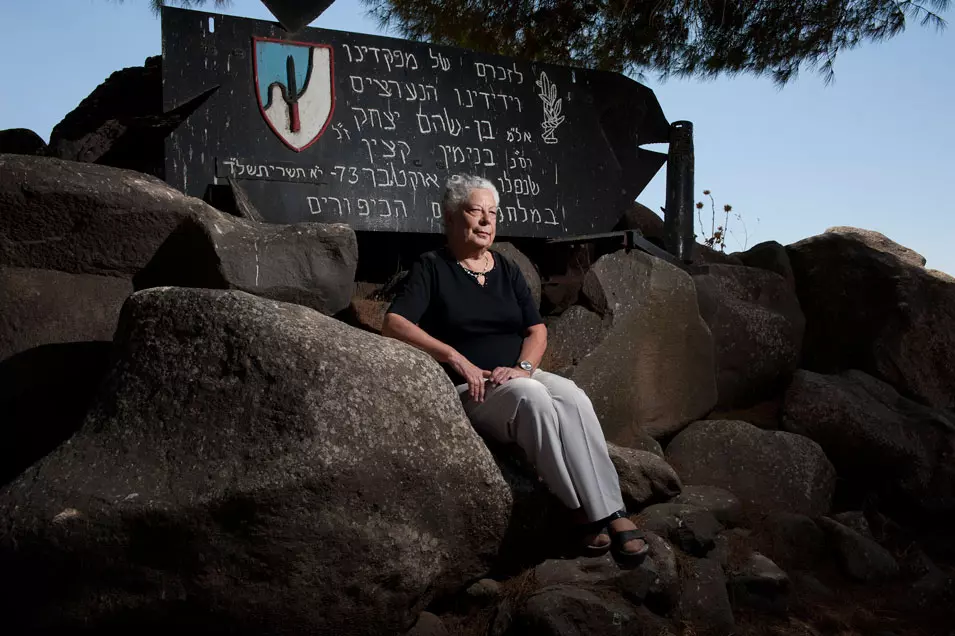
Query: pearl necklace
[[480, 277]]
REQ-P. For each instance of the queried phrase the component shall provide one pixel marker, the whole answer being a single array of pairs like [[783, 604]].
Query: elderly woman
[[472, 311]]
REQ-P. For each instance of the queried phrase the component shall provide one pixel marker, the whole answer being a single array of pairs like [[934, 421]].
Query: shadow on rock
[[44, 395]]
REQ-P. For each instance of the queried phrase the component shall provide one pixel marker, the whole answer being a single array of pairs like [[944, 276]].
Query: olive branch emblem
[[552, 105]]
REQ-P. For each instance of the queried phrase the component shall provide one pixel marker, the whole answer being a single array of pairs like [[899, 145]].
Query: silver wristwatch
[[527, 366]]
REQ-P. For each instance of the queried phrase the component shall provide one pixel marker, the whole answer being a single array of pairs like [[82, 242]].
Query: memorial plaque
[[332, 126]]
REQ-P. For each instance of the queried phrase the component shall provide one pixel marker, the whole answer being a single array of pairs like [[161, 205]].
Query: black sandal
[[619, 538], [597, 528]]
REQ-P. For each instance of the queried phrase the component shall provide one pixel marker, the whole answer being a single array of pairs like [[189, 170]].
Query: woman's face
[[476, 223]]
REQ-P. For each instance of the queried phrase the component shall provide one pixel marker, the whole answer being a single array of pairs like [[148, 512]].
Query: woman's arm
[[532, 350], [535, 343], [400, 328]]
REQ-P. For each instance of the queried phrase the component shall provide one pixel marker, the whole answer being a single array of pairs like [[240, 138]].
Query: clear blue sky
[[873, 150]]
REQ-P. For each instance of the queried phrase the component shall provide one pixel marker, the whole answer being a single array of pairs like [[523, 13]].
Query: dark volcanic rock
[[571, 611], [723, 504], [311, 264], [55, 333], [653, 371], [770, 256], [692, 529], [757, 327], [704, 601], [94, 131], [870, 306], [571, 336], [82, 218], [41, 307], [878, 441], [251, 466], [772, 470], [523, 263], [21, 141], [861, 558], [644, 476]]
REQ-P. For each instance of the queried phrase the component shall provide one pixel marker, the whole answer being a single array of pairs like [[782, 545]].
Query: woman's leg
[[522, 411], [585, 449]]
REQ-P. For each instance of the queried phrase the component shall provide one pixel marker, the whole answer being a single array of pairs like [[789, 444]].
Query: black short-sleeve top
[[486, 324]]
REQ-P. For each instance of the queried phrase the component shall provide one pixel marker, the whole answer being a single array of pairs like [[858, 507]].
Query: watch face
[[527, 366]]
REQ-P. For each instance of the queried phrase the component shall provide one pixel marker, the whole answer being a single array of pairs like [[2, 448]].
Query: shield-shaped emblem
[[295, 88]]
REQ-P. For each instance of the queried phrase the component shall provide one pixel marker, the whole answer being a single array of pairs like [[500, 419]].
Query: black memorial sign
[[341, 127]]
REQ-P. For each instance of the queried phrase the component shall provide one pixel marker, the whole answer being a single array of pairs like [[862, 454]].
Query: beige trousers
[[553, 421]]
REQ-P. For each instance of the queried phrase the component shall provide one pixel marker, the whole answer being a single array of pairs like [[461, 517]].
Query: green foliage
[[671, 37], [158, 4], [704, 38]]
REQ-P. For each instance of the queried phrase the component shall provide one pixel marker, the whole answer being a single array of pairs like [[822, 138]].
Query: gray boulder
[[572, 336], [428, 625], [861, 558], [772, 470], [704, 601], [770, 256], [55, 333], [794, 540], [21, 141], [644, 476], [881, 242], [878, 441], [664, 593], [690, 528], [311, 264], [83, 218], [577, 572], [870, 307], [653, 372], [112, 125], [524, 264], [41, 307], [757, 326], [252, 466], [571, 611], [721, 503]]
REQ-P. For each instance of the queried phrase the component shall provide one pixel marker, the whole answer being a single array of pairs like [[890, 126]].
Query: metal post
[[678, 216]]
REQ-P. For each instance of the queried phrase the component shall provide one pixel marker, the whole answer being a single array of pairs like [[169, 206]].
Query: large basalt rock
[[870, 306], [571, 336], [644, 476], [772, 470], [757, 326], [860, 557], [654, 371], [704, 601], [570, 611], [771, 256], [523, 263], [881, 242], [22, 141], [879, 441], [691, 528], [251, 466], [83, 218], [55, 333], [40, 307], [101, 128], [311, 264]]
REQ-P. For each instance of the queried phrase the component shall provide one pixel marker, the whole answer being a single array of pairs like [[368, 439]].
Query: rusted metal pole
[[678, 217]]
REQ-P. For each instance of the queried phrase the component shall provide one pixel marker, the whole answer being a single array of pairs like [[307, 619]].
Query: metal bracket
[[632, 239]]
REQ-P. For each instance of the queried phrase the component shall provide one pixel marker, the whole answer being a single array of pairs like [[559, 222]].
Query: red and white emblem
[[295, 88]]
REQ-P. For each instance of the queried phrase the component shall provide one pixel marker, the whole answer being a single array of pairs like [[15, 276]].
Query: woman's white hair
[[458, 189]]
